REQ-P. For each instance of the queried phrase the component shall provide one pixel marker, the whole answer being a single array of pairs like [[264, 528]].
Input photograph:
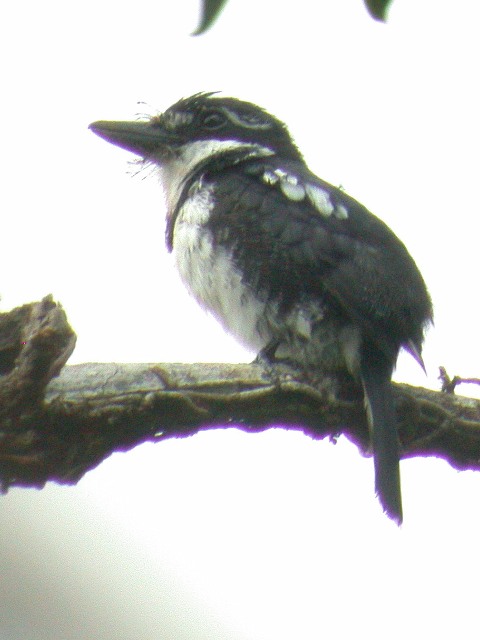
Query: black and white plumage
[[290, 265]]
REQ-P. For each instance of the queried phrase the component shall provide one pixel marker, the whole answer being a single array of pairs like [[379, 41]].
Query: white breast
[[176, 169], [209, 274]]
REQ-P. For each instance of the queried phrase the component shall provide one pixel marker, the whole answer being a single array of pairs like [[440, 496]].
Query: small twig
[[449, 384]]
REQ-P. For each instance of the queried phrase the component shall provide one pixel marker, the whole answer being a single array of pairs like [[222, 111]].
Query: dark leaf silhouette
[[210, 10], [378, 8], [209, 13]]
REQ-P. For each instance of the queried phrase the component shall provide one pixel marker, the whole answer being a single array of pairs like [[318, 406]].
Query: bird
[[290, 265]]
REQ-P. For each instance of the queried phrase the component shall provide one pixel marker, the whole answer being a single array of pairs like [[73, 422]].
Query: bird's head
[[200, 127]]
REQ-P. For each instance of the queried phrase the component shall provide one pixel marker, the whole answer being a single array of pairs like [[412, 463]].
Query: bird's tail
[[376, 371]]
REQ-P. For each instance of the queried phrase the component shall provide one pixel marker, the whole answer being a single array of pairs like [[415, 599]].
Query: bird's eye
[[213, 120]]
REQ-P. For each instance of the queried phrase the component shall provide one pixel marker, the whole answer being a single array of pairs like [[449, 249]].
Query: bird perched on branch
[[290, 265]]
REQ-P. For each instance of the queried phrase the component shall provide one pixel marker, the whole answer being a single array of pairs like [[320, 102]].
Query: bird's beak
[[143, 138]]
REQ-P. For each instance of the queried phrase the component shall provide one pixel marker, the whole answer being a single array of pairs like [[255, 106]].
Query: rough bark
[[57, 424]]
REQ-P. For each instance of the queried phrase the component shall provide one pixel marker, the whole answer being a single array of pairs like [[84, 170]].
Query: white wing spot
[[341, 212], [270, 177], [292, 189], [289, 183], [320, 199]]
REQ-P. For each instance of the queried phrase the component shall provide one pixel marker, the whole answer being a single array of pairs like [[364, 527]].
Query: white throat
[[176, 169]]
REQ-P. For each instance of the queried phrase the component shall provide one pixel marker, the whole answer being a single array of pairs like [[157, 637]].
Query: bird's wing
[[321, 241]]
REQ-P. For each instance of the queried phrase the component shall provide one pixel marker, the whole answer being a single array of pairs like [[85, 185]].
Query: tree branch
[[58, 429]]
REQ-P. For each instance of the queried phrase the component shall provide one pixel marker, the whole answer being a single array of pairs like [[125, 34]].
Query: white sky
[[227, 535]]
